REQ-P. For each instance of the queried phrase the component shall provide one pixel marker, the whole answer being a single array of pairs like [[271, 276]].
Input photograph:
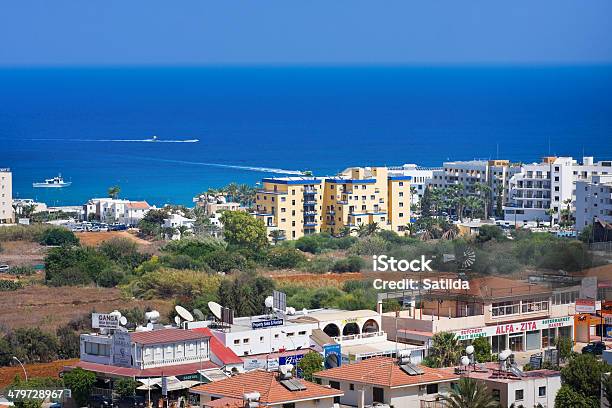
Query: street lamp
[[22, 367]]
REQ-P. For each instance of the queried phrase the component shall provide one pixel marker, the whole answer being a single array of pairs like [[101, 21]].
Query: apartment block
[[6, 196], [494, 173], [421, 177], [549, 184], [593, 201], [301, 206]]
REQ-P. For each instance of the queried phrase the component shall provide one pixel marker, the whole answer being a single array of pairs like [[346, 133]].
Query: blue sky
[[330, 32]]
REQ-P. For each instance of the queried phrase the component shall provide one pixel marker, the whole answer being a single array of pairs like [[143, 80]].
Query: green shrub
[[8, 285], [25, 270], [351, 264], [58, 236], [31, 233], [226, 261], [308, 243], [285, 257], [322, 264]]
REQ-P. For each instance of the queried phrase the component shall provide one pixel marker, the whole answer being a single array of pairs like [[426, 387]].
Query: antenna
[[269, 302], [197, 313], [123, 320], [183, 313], [215, 309], [152, 316]]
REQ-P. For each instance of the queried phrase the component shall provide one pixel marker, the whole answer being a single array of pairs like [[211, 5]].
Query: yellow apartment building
[[301, 206]]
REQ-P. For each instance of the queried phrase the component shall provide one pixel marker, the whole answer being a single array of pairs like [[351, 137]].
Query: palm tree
[[550, 212], [451, 232], [484, 192], [445, 350], [232, 191], [246, 195], [114, 191], [277, 236], [344, 232], [183, 230], [365, 230], [470, 393]]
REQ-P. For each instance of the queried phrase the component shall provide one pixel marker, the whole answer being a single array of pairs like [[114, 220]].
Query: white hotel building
[[421, 178], [494, 173], [593, 201], [541, 186], [6, 196]]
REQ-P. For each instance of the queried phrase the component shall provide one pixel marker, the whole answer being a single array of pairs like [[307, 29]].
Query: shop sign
[[488, 331], [585, 305], [104, 321]]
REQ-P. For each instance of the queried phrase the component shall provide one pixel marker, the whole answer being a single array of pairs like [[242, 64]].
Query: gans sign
[[520, 327], [104, 321]]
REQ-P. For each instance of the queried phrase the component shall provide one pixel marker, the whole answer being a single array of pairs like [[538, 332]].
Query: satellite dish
[[465, 361], [215, 309], [184, 313], [469, 349], [122, 321], [269, 302], [152, 316], [149, 327], [503, 356], [304, 311], [286, 368], [197, 313], [177, 320]]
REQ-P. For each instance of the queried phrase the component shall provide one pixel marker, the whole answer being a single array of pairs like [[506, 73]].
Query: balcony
[[310, 223], [310, 192], [331, 212], [342, 202], [310, 202], [310, 212]]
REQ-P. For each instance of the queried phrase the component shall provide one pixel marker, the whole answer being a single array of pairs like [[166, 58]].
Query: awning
[[174, 383]]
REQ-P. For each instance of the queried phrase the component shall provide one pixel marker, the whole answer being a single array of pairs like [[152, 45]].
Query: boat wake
[[229, 166], [153, 140]]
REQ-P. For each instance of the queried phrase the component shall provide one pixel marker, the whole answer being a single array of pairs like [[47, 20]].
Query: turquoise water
[[251, 120]]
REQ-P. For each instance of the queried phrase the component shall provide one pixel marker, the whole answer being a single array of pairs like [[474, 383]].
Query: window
[[334, 384], [290, 334], [261, 339], [518, 395], [289, 405], [496, 394], [534, 305], [245, 341], [237, 341], [352, 387], [432, 388], [542, 391], [505, 308], [276, 336], [97, 349], [302, 333]]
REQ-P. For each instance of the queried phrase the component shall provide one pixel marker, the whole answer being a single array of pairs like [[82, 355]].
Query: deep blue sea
[[77, 122]]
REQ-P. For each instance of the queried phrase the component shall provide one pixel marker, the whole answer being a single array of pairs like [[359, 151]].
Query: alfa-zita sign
[[104, 321], [508, 328]]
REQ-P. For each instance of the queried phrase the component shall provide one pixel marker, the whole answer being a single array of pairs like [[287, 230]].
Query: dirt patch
[[51, 307], [7, 374], [96, 238], [19, 253]]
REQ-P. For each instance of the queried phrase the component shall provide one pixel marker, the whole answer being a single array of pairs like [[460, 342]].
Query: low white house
[[177, 221], [383, 380], [112, 210]]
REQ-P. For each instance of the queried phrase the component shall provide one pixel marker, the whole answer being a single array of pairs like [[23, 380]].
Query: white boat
[[55, 182]]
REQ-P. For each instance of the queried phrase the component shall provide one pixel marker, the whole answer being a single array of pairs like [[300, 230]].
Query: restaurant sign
[[500, 329]]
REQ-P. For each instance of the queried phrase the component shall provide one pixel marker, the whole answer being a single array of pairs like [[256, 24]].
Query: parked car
[[135, 401], [99, 401], [596, 348], [4, 268]]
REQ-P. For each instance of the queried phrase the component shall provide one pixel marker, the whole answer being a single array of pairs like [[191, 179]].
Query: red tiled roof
[[181, 369], [165, 336], [385, 372], [267, 385], [225, 402], [138, 205], [225, 354]]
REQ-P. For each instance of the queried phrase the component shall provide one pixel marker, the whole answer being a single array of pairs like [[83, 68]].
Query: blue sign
[[267, 323], [333, 355], [294, 360]]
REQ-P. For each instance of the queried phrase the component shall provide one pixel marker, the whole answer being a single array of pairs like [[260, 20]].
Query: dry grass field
[[51, 307], [7, 374]]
